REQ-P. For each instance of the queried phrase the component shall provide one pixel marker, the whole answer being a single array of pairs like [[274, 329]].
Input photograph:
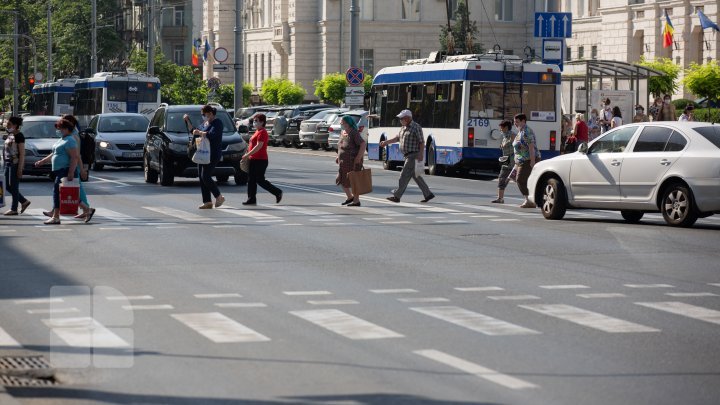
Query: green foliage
[[367, 83], [464, 33], [706, 114], [225, 95], [331, 88], [165, 69], [704, 80], [661, 85], [681, 103], [269, 90], [281, 91], [188, 88]]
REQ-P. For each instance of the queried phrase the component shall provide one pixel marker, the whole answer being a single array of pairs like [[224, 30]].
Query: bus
[[460, 101], [53, 98], [109, 92]]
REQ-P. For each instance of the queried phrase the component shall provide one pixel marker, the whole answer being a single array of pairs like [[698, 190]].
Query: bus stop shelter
[[581, 77]]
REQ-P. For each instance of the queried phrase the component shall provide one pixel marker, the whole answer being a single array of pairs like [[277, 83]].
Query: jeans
[[257, 177], [207, 184], [12, 183], [59, 174], [408, 172]]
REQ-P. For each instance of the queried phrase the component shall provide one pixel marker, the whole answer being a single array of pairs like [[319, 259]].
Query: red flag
[[667, 32]]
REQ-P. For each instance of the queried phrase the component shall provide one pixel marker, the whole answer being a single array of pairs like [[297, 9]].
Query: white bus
[[53, 98], [460, 102], [116, 92]]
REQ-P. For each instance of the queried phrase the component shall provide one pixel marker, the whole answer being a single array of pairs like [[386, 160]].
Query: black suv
[[165, 154]]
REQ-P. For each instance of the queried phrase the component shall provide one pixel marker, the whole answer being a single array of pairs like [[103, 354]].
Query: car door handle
[[665, 162], [615, 163]]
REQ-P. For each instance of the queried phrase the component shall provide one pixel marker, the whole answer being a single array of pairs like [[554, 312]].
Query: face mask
[[667, 101], [638, 111], [204, 117], [594, 115]]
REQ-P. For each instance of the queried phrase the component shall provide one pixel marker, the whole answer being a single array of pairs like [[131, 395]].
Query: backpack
[[87, 147]]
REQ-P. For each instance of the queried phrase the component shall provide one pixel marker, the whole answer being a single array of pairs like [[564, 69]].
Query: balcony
[[175, 32], [281, 38]]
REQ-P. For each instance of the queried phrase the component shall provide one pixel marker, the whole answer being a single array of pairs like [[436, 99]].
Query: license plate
[[131, 155]]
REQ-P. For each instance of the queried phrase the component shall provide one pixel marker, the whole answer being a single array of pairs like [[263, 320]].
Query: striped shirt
[[410, 138]]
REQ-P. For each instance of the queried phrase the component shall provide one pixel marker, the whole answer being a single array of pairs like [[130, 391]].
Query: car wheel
[[632, 217], [297, 144], [553, 199], [151, 175], [434, 169], [314, 146], [287, 144], [677, 206], [327, 147], [166, 176], [98, 166], [241, 178], [387, 165], [223, 178]]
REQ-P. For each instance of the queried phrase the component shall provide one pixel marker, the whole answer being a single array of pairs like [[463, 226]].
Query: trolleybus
[[53, 98]]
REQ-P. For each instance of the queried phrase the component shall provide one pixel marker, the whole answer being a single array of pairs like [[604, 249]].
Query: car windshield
[[332, 119], [175, 121], [39, 129], [321, 115], [711, 133], [133, 123]]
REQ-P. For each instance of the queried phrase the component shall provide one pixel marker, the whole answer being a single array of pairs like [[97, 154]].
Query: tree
[[188, 88], [704, 80], [463, 33], [165, 69], [331, 88], [269, 90], [666, 84], [281, 91], [226, 95]]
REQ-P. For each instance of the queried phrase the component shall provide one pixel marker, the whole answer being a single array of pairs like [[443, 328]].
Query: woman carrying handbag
[[257, 158], [212, 131], [351, 150]]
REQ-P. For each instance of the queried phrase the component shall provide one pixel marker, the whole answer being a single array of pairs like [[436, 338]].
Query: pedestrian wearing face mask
[[654, 109], [687, 114], [212, 129], [593, 124], [14, 161], [640, 114], [667, 111]]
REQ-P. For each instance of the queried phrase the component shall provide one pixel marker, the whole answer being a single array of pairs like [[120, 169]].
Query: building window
[[593, 52], [631, 2], [568, 53], [453, 8], [504, 10], [269, 64], [581, 52], [179, 16], [407, 54], [640, 14], [367, 63], [410, 10], [179, 55], [581, 8], [593, 7], [255, 70], [366, 9], [262, 67], [699, 8]]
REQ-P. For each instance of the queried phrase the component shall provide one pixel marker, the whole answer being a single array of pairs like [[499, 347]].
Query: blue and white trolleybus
[[53, 98]]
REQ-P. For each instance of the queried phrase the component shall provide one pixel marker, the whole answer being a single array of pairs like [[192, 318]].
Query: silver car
[[119, 139], [670, 167], [361, 119], [40, 136], [308, 128]]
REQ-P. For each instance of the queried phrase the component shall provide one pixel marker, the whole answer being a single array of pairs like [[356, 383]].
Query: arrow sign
[[539, 27], [553, 25], [565, 21], [221, 68]]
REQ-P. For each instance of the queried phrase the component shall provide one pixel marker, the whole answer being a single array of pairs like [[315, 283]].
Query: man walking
[[412, 146]]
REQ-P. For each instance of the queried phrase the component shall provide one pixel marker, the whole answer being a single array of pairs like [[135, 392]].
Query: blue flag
[[207, 49], [705, 21]]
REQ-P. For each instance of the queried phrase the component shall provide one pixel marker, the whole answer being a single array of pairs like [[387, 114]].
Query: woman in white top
[[617, 118], [687, 114]]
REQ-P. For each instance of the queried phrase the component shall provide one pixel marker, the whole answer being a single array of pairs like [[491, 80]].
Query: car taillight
[[553, 139], [471, 137]]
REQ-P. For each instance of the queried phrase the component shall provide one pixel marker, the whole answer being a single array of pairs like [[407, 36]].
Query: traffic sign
[[553, 25], [220, 54], [221, 68], [553, 51], [354, 76], [354, 95]]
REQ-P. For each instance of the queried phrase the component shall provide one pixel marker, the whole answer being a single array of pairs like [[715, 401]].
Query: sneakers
[[528, 204], [10, 213], [393, 199], [206, 206], [24, 206], [278, 197], [428, 198], [498, 201], [52, 221], [219, 201], [48, 214]]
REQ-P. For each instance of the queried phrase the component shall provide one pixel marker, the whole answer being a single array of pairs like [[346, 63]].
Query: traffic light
[[31, 81]]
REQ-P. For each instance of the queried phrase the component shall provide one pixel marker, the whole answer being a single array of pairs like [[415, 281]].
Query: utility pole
[[354, 33], [151, 39], [93, 39], [49, 44], [16, 76], [238, 56]]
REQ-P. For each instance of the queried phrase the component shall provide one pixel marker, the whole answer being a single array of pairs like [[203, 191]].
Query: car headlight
[[236, 147], [105, 145], [178, 147]]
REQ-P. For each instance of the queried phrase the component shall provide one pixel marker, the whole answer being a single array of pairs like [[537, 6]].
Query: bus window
[[446, 109], [539, 102], [63, 98], [416, 93], [147, 95], [117, 91], [422, 109], [394, 106], [393, 94], [486, 100]]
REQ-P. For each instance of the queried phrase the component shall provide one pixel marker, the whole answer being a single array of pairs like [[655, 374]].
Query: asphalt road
[[457, 301]]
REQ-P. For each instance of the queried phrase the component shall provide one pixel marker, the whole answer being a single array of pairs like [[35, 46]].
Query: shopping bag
[[202, 154], [360, 181], [245, 165], [419, 168], [69, 196], [2, 194]]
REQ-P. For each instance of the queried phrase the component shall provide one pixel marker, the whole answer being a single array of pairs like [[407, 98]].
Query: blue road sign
[[354, 76], [553, 25]]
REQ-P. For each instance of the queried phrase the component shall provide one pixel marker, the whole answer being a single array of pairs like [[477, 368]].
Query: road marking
[[333, 302], [53, 311], [84, 332], [114, 215], [378, 219], [479, 289], [714, 284], [345, 324], [564, 287], [690, 311], [505, 220], [232, 226], [648, 286], [513, 297], [602, 295], [691, 294], [114, 228], [240, 305], [451, 221], [184, 215], [419, 300], [130, 298], [477, 370], [337, 223], [375, 211], [247, 213], [323, 219], [486, 209], [8, 230], [219, 328], [301, 293], [173, 227], [430, 217], [146, 307], [39, 301], [298, 210], [269, 221], [57, 230], [483, 216], [6, 340], [394, 291], [290, 224], [395, 222], [37, 213], [475, 321], [588, 318], [213, 296], [103, 180]]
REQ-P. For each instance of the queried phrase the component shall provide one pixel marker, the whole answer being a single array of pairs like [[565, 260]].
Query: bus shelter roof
[[578, 69]]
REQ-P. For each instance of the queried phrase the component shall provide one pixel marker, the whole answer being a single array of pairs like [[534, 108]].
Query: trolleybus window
[[539, 102], [117, 91]]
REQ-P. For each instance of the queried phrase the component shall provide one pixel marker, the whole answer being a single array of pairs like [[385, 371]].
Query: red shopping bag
[[69, 196]]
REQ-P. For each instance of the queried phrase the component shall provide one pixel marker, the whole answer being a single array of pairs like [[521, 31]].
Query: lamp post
[[238, 57], [151, 39], [354, 33], [49, 44], [93, 39]]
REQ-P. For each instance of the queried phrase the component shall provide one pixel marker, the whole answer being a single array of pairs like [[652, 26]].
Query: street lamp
[[16, 64]]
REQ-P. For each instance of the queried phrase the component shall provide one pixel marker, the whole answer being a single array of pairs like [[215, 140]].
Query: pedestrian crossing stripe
[[474, 321], [6, 340], [588, 318], [690, 311], [85, 332], [346, 325], [219, 328]]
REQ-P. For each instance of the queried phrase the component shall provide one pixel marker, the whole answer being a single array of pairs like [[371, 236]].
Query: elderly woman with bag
[[351, 150]]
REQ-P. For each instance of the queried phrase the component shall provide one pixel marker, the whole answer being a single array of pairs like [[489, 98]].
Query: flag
[[667, 32], [195, 60], [207, 49], [705, 21]]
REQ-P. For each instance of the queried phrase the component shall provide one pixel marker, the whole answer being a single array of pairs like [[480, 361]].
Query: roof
[[31, 118], [620, 70]]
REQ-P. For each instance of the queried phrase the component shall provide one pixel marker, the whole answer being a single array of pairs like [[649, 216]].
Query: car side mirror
[[583, 148], [154, 130]]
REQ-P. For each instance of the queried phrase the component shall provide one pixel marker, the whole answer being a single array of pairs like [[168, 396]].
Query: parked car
[[361, 119], [247, 112], [245, 126], [308, 128], [299, 113], [671, 167], [119, 139], [165, 154], [40, 136]]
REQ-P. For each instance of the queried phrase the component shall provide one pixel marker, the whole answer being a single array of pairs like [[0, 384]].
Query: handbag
[[202, 154], [361, 181], [245, 165]]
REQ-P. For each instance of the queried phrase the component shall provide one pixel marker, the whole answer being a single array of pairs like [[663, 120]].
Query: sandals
[[354, 204], [348, 201], [89, 215]]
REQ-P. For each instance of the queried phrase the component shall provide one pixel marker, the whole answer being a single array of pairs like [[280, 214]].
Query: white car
[[670, 167]]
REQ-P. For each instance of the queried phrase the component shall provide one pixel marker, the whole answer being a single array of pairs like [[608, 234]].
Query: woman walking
[[81, 172], [212, 130], [526, 155], [65, 159], [351, 150], [507, 160], [258, 163], [14, 162]]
